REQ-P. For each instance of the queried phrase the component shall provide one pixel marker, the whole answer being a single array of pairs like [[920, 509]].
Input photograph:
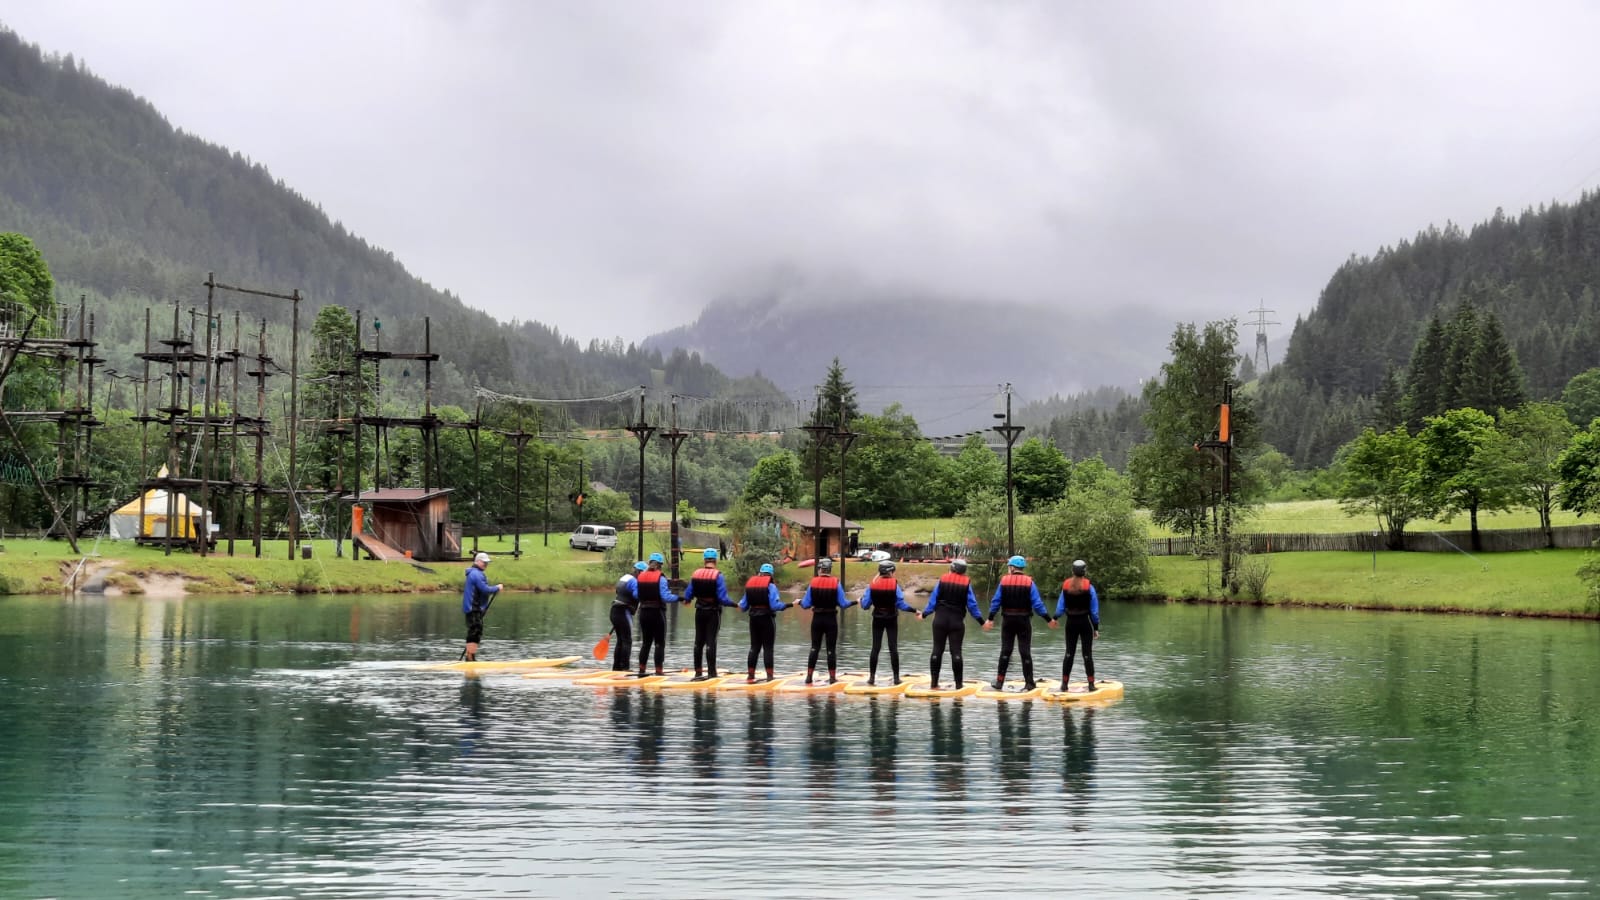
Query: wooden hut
[[396, 520], [799, 528]]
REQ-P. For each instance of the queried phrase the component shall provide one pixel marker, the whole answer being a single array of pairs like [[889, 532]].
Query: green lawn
[[1298, 517], [1536, 582], [42, 567]]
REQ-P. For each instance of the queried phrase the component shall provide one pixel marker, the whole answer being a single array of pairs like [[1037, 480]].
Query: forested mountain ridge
[[1537, 273], [134, 213]]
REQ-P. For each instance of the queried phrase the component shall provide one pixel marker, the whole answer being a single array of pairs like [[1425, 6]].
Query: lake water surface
[[278, 747]]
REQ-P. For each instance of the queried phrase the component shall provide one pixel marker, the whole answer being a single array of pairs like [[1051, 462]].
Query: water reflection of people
[[652, 729], [1077, 757], [822, 750], [471, 715], [1016, 751], [760, 753], [881, 747], [948, 749], [703, 739]]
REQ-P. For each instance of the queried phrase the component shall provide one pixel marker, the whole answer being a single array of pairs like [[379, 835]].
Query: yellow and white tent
[[187, 518]]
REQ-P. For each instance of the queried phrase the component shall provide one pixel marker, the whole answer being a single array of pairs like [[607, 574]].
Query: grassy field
[[1305, 516], [43, 567], [1538, 582]]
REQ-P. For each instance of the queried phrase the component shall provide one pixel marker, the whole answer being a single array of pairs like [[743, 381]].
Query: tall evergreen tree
[[1492, 380], [1462, 337], [1425, 384]]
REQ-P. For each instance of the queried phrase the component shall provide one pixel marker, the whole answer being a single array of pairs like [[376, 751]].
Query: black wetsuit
[[884, 594], [703, 585], [763, 622], [1080, 625], [621, 621], [951, 598], [652, 619], [1017, 595], [824, 594]]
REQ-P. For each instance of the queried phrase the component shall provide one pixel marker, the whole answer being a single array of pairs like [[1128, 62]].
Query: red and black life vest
[[1076, 592], [953, 590], [1016, 594], [882, 591], [650, 589], [705, 587], [825, 594], [756, 596]]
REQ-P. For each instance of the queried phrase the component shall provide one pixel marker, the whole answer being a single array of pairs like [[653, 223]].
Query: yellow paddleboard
[[506, 665], [819, 684], [735, 683], [923, 692], [1014, 690], [1076, 693], [686, 682], [558, 673], [885, 685], [621, 679]]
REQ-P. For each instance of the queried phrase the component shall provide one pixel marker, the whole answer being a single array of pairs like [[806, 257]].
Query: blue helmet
[[767, 569], [1017, 562], [711, 555], [639, 567], [656, 557]]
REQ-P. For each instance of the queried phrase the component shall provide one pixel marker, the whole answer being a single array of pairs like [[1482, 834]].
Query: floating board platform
[[923, 692], [735, 683], [560, 672], [1013, 690], [819, 684], [505, 665], [623, 680], [885, 685], [1076, 692], [687, 682]]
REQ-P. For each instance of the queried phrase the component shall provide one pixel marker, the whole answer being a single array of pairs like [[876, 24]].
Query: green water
[[279, 747]]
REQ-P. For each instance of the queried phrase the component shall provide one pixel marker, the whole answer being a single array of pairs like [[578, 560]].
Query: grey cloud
[[546, 160]]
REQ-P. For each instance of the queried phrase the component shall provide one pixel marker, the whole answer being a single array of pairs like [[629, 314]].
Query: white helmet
[[481, 558]]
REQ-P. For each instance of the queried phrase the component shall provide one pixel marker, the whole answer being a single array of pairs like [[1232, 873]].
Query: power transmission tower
[[1261, 360]]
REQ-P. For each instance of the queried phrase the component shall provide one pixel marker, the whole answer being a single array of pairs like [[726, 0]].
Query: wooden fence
[[1491, 541]]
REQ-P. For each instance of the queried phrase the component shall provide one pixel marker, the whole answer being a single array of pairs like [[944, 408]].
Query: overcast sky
[[636, 159]]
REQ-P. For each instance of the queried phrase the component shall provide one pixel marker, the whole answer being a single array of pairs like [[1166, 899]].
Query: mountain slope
[[135, 213]]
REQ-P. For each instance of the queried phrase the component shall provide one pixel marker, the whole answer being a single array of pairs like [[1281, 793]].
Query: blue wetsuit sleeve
[[866, 599], [972, 603], [900, 600], [744, 604], [1061, 604], [1038, 603], [666, 592], [933, 600], [774, 600], [1094, 607], [805, 599], [722, 592], [844, 600], [994, 604]]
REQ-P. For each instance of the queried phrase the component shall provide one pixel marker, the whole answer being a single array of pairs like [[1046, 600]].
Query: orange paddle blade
[[602, 647]]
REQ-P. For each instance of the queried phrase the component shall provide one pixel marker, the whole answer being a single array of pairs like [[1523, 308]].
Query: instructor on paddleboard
[[475, 600]]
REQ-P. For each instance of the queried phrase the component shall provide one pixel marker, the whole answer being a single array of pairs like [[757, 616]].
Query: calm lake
[[279, 747]]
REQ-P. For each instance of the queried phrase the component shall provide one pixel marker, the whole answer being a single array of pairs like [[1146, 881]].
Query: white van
[[593, 537]]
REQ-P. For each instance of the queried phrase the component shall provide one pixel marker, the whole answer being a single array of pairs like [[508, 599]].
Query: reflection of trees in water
[[1016, 751], [471, 715], [882, 746], [1077, 758], [948, 748], [703, 739]]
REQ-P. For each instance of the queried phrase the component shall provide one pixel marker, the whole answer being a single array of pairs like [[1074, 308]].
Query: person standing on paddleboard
[[651, 590], [824, 597], [1080, 603], [710, 594], [884, 597], [475, 599], [622, 609], [952, 592], [1015, 597], [761, 601]]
